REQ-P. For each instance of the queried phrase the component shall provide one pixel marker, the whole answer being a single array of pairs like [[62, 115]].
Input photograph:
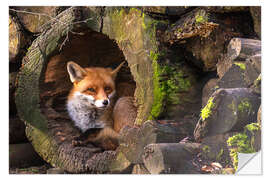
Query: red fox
[[90, 104]]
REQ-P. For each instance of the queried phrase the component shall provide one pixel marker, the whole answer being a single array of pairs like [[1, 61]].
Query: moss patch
[[245, 106], [242, 143], [253, 127], [207, 110], [159, 88], [240, 65]]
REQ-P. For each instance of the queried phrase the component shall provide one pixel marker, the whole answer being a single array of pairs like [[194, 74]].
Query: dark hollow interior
[[92, 49]]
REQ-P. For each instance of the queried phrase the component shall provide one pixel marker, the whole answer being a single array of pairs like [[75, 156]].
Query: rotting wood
[[195, 23]]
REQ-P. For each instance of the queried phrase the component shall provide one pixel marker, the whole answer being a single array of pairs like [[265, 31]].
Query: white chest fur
[[83, 112]]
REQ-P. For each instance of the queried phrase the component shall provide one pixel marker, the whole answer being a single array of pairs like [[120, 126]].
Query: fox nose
[[105, 102]]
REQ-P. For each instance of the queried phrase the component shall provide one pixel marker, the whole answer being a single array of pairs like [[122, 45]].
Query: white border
[[4, 72]]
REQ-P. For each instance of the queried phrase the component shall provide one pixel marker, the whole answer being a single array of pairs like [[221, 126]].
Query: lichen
[[207, 110], [240, 65]]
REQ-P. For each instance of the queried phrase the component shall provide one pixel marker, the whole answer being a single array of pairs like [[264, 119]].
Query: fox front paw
[[78, 142]]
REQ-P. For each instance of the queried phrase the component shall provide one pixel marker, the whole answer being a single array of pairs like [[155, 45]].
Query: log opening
[[89, 49]]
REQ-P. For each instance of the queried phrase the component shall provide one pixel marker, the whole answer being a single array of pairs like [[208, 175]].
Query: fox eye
[[107, 88], [91, 89]]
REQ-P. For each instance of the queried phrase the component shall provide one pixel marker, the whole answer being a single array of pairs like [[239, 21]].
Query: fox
[[90, 104]]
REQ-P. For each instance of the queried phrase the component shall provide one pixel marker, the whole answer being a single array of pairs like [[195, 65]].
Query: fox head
[[94, 86]]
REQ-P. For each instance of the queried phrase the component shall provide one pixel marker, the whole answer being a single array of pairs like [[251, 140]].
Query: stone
[[227, 110], [170, 158]]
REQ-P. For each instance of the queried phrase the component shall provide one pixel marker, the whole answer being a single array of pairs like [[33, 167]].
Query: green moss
[[239, 143], [159, 89], [207, 110], [220, 154], [206, 149], [241, 65], [201, 19], [253, 127], [245, 106]]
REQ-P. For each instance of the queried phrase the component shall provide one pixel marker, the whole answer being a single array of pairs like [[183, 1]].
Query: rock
[[247, 141], [55, 171], [208, 89], [256, 16], [23, 155], [133, 140], [124, 119], [16, 130], [139, 169], [259, 115], [227, 110], [170, 158]]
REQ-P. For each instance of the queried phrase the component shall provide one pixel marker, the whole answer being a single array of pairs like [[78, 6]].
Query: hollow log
[[50, 132], [43, 83]]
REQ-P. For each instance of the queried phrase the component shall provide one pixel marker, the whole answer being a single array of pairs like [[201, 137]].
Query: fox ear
[[76, 72], [115, 71]]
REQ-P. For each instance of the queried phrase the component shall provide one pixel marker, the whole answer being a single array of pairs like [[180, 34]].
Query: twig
[[52, 18], [64, 42]]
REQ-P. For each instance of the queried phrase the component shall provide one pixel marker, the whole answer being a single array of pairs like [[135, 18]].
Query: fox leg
[[82, 139], [107, 139]]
